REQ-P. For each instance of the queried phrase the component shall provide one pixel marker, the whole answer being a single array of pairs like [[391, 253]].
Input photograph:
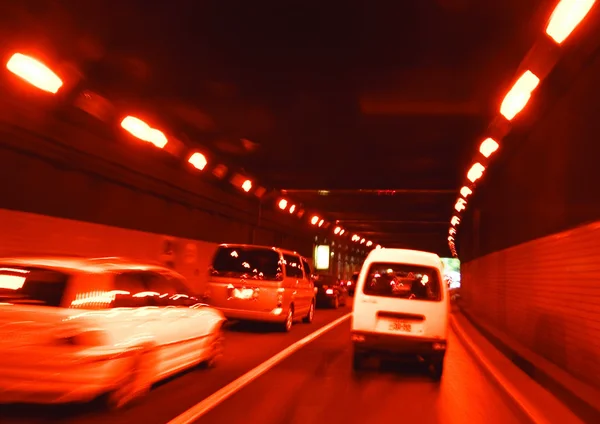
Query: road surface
[[313, 385]]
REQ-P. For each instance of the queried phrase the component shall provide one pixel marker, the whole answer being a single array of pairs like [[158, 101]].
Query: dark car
[[330, 293], [351, 284]]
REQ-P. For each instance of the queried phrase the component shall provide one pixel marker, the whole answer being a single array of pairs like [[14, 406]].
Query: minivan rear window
[[248, 262], [403, 281], [32, 286]]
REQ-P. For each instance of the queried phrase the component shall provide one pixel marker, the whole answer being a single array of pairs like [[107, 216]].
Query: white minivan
[[401, 307], [259, 283]]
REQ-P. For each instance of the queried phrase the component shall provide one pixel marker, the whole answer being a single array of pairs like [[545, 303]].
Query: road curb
[[532, 412], [583, 401]]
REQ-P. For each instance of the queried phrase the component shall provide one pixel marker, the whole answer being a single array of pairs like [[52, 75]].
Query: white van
[[401, 307]]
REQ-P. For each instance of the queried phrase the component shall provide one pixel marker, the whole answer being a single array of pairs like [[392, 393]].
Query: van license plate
[[244, 294], [400, 326]]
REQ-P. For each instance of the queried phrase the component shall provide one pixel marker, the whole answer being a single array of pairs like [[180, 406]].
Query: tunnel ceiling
[[365, 111]]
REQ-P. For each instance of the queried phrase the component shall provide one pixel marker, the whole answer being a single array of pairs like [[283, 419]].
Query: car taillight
[[329, 291], [86, 338], [349, 283], [280, 297]]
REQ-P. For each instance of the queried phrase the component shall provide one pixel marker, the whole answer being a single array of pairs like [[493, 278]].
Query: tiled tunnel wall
[[531, 244], [99, 196], [546, 295]]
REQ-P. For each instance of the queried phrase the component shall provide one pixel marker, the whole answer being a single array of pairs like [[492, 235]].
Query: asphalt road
[[317, 385], [313, 385]]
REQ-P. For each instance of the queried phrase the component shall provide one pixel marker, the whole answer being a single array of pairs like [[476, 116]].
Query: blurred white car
[[74, 329]]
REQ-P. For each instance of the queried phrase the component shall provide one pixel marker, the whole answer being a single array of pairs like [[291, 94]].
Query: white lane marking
[[220, 395]]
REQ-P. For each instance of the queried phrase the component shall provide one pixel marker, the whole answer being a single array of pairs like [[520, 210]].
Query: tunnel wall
[[93, 193], [31, 234], [530, 245]]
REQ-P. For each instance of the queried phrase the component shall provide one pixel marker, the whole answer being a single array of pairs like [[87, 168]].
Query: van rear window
[[32, 286], [248, 262], [403, 281]]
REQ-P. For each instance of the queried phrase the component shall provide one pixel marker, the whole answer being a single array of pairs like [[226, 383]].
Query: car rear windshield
[[32, 286], [248, 262], [403, 281]]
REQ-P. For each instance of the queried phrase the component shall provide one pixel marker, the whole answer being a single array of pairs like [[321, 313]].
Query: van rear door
[[245, 277], [402, 299]]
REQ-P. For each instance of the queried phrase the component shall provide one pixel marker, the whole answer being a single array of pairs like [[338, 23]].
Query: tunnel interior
[[179, 127]]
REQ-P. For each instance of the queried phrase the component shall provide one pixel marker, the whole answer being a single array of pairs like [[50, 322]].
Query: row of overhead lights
[[567, 15], [42, 77], [317, 221], [39, 75]]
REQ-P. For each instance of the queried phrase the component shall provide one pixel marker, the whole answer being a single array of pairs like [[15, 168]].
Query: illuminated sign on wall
[[322, 256]]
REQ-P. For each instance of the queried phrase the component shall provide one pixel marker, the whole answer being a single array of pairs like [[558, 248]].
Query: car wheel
[[135, 385], [311, 313], [216, 349], [436, 369], [335, 303], [289, 320]]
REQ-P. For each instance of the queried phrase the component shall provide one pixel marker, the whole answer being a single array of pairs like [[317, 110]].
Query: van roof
[[82, 264], [416, 257], [257, 246]]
